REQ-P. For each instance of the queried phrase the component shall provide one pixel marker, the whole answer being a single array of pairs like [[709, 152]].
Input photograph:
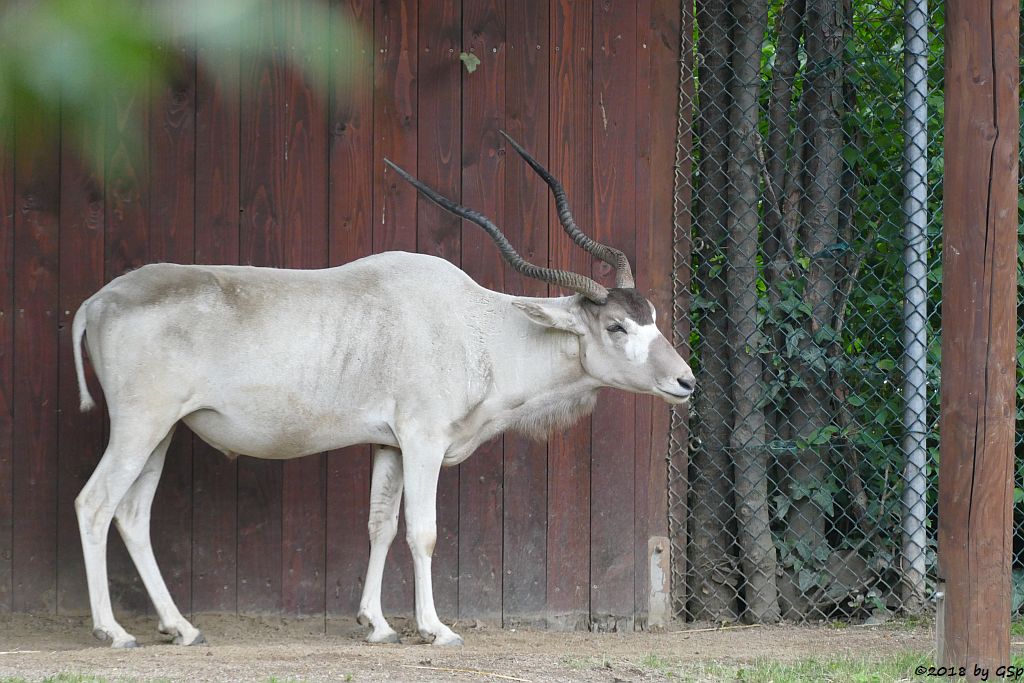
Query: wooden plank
[[126, 247], [439, 233], [672, 29], [34, 477], [657, 80], [172, 176], [81, 275], [480, 477], [304, 230], [979, 332], [613, 444], [645, 404], [395, 115], [214, 476], [524, 588], [394, 200], [351, 237], [261, 243], [665, 77], [568, 554], [7, 313]]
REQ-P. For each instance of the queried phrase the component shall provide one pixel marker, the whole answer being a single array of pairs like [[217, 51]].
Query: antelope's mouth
[[674, 398]]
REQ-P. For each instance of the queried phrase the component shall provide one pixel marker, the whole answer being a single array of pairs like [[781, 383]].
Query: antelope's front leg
[[421, 468]]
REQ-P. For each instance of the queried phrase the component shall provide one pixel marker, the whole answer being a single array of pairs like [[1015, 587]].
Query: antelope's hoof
[[123, 643], [200, 639], [384, 637], [448, 640]]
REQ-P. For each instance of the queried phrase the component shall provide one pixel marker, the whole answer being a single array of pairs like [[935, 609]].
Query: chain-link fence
[[808, 272]]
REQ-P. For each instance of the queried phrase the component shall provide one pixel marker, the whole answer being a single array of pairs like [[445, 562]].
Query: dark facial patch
[[633, 303]]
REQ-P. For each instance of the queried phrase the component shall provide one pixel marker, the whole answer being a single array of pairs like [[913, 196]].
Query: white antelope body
[[403, 351]]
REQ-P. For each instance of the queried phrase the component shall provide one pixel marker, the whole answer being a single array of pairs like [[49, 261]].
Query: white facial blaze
[[638, 343]]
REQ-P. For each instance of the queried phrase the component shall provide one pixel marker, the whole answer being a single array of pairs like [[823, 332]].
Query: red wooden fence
[[275, 168]]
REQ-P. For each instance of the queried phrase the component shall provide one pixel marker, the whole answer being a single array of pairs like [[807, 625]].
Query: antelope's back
[[387, 326]]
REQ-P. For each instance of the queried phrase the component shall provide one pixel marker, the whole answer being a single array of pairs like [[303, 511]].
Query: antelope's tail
[[77, 334]]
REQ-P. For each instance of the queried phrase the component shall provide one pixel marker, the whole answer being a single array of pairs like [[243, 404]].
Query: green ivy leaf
[[470, 60], [807, 579]]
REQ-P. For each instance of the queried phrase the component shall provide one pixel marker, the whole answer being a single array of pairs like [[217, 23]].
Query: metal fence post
[[915, 304]]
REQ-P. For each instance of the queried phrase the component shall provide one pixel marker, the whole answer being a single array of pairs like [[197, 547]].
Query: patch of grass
[[657, 663], [1017, 627], [910, 623], [899, 667]]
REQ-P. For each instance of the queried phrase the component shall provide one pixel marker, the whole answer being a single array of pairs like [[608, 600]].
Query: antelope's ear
[[557, 315]]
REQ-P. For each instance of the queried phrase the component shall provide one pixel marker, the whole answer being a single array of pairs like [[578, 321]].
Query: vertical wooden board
[[439, 145], [571, 147], [81, 275], [304, 195], [126, 243], [667, 51], [37, 196], [7, 211], [524, 588], [394, 200], [613, 444], [172, 176], [351, 237], [658, 26], [126, 247], [395, 113], [480, 477], [214, 476], [439, 160], [303, 534], [642, 266], [347, 538], [261, 243]]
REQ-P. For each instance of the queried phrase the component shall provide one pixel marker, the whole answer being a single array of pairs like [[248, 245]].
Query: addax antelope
[[402, 351]]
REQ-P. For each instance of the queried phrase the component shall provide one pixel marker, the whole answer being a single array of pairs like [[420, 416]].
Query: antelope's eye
[[616, 328]]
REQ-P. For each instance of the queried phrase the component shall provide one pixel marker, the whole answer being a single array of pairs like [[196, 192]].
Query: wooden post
[[978, 334]]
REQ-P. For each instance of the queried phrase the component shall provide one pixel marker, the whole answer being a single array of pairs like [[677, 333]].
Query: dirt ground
[[265, 649]]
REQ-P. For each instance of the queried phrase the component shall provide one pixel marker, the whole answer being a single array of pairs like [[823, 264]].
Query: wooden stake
[[978, 332]]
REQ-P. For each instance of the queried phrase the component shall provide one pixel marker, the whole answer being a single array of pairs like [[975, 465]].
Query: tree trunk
[[747, 440], [820, 232], [712, 574], [781, 216]]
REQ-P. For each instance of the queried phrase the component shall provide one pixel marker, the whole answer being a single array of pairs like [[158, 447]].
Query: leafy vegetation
[[815, 364], [67, 60], [824, 338]]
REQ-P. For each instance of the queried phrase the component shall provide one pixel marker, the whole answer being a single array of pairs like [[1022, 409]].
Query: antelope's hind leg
[[385, 496], [132, 519], [132, 443]]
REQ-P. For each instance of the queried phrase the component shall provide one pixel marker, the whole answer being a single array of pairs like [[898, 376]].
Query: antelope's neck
[[538, 384]]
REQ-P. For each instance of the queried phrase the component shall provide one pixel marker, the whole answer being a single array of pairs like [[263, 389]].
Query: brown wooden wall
[[276, 169]]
